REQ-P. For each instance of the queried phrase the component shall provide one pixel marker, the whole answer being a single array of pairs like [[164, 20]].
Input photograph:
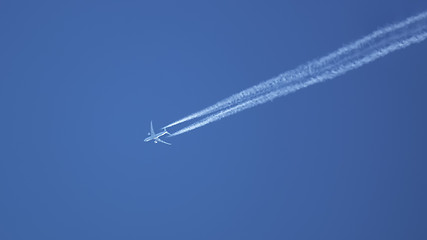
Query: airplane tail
[[166, 131]]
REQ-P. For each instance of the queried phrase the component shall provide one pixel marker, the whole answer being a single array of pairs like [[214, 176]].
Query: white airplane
[[156, 136]]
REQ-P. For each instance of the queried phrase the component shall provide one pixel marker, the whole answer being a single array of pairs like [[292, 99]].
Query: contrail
[[302, 71], [352, 56]]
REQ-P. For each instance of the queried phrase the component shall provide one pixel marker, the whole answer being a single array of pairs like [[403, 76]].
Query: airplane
[[156, 136]]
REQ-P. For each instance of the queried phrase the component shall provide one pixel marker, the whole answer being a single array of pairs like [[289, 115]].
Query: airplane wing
[[152, 130], [160, 140]]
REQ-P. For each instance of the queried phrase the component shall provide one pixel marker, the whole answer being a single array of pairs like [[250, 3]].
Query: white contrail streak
[[355, 55], [302, 71]]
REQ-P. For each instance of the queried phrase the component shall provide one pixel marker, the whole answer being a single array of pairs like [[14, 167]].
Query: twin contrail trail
[[363, 51]]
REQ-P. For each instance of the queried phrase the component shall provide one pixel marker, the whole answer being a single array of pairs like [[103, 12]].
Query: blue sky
[[80, 82]]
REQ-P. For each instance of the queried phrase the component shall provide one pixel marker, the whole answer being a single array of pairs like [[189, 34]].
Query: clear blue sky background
[[81, 80]]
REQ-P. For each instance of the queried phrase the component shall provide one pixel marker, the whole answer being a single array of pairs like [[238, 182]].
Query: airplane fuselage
[[155, 136]]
